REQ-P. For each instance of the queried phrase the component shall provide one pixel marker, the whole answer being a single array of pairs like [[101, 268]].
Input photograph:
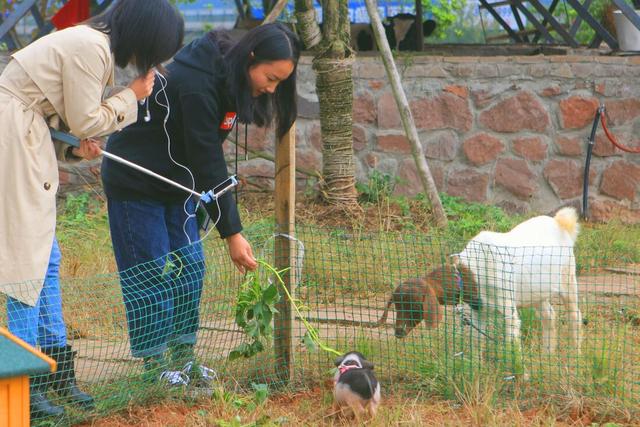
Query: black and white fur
[[356, 388]]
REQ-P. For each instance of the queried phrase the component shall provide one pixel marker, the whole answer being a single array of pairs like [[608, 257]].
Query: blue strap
[[67, 138], [459, 280]]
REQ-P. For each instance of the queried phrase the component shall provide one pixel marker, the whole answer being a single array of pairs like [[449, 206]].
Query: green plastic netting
[[344, 280]]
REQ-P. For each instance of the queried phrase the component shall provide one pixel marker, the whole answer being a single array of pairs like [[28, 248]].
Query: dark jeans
[[160, 273]]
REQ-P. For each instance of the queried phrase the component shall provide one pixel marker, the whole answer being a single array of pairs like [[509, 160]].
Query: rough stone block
[[364, 109], [482, 149], [516, 177], [393, 143], [577, 112], [565, 178], [532, 148], [620, 180], [520, 112], [569, 146], [469, 184], [441, 146], [445, 111]]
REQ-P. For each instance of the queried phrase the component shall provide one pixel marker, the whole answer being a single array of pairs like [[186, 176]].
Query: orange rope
[[612, 138]]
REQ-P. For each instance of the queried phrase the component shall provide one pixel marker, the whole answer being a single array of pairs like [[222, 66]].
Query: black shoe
[[39, 405], [64, 379]]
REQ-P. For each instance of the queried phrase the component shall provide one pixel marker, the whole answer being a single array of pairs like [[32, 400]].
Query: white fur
[[346, 399], [528, 266], [348, 357]]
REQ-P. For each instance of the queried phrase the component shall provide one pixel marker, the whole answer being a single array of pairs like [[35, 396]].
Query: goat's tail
[[567, 219]]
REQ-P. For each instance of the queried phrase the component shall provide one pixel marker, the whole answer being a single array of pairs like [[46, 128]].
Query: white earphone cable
[[163, 83]]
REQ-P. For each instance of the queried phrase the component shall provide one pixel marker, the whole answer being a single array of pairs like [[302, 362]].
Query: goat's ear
[[338, 361], [454, 259], [367, 365]]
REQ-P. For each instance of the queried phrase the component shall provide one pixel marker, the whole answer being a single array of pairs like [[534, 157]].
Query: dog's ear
[[385, 313], [431, 310], [338, 361], [367, 365]]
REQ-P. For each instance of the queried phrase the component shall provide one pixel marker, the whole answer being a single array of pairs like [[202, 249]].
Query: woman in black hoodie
[[179, 134]]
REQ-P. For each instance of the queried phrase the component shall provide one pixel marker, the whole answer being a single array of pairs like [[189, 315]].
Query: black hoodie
[[196, 91]]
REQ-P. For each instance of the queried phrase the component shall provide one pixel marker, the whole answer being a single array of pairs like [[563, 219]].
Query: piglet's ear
[[338, 361], [367, 365]]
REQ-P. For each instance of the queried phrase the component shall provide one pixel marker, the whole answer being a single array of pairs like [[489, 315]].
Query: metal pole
[[148, 172], [72, 140], [419, 32]]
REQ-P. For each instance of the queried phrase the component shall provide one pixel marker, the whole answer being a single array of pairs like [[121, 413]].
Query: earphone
[[143, 101], [147, 117]]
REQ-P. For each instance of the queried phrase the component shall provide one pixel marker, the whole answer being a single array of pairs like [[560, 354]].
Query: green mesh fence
[[344, 281]]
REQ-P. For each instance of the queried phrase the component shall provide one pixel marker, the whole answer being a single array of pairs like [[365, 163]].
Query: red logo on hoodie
[[228, 121]]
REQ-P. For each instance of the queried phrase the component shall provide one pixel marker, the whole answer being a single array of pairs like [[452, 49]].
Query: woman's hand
[[241, 253], [89, 149], [143, 86]]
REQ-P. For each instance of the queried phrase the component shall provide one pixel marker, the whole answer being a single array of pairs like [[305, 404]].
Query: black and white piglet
[[356, 389]]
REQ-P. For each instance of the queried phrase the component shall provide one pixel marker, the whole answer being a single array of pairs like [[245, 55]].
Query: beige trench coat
[[60, 77]]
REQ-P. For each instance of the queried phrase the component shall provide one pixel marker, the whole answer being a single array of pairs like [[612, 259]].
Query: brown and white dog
[[529, 266], [356, 389], [421, 299]]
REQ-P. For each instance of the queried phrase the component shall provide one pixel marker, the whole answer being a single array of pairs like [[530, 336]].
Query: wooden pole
[[405, 114], [275, 12], [284, 251]]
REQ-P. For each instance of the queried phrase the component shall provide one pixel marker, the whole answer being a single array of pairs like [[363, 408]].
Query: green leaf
[[253, 329], [270, 295], [239, 352], [308, 342], [260, 393], [256, 347], [256, 306]]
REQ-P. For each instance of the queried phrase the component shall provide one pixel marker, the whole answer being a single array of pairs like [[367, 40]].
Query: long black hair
[[143, 32], [266, 43]]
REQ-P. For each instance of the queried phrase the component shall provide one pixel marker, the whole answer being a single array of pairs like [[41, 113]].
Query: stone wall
[[507, 130]]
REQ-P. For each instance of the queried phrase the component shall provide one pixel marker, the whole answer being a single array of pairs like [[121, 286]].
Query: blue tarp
[[225, 10], [357, 8]]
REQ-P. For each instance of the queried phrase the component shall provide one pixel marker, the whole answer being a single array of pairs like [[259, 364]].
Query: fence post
[[284, 251]]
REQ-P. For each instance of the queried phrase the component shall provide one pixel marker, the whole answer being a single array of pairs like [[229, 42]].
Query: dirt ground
[[313, 408]]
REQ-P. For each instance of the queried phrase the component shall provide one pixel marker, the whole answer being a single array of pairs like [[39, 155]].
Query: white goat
[[528, 266]]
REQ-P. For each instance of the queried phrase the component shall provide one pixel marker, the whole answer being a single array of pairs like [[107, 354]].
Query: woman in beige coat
[[59, 80]]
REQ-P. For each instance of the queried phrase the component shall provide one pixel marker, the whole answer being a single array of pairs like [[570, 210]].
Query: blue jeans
[[43, 323], [160, 273]]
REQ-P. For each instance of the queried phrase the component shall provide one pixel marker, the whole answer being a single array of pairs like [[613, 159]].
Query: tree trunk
[[405, 113], [307, 24], [333, 65]]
